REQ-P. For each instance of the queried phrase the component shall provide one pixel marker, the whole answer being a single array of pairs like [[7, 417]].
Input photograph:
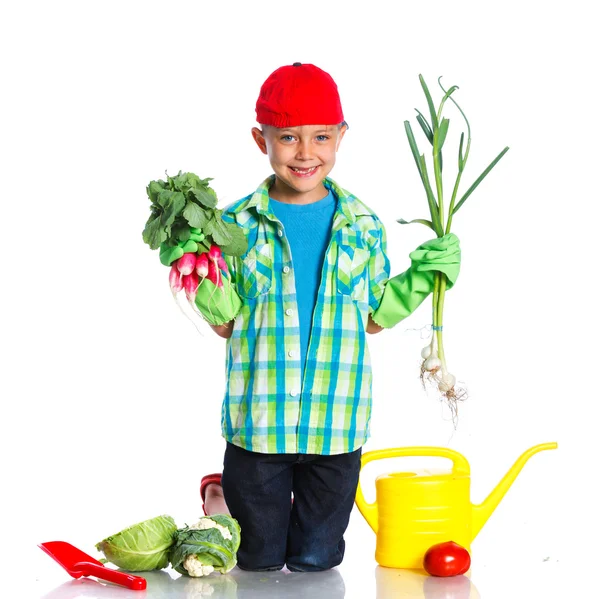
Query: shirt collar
[[348, 205]]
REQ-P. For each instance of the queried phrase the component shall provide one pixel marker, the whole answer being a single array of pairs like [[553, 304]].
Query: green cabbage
[[206, 546], [141, 547]]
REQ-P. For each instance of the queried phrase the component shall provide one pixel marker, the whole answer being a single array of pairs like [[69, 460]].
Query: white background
[[111, 397]]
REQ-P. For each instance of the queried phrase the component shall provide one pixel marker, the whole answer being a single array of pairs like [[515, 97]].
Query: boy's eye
[[322, 137], [287, 138]]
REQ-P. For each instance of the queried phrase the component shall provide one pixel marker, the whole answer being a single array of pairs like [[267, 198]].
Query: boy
[[311, 285]]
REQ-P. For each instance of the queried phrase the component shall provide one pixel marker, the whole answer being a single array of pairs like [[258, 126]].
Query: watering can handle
[[460, 466]]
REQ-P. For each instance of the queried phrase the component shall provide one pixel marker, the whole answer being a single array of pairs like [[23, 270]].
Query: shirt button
[[291, 353], [280, 232], [293, 393], [286, 269], [289, 311]]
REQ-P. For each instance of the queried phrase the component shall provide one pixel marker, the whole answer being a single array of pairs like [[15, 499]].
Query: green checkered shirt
[[267, 407]]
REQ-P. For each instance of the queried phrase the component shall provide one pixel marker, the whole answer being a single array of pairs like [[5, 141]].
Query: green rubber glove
[[218, 305], [405, 292], [169, 253]]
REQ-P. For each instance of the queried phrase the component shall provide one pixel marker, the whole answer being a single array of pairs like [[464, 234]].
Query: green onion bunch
[[434, 366]]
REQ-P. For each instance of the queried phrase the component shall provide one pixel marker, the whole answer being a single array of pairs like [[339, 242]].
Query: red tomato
[[446, 559]]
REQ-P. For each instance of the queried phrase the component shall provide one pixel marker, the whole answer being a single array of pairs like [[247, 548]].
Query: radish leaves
[[186, 202]]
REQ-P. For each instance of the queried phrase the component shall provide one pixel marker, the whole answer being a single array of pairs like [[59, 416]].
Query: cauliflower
[[208, 546], [205, 523], [192, 563], [195, 567]]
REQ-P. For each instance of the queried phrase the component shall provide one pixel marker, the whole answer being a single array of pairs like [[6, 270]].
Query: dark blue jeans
[[306, 534]]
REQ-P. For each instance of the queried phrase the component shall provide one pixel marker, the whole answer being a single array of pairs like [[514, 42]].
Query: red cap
[[300, 94]]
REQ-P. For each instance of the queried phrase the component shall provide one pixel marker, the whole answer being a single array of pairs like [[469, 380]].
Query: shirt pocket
[[352, 268], [256, 271]]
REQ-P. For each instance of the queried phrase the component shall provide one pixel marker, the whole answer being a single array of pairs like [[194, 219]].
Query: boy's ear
[[341, 133], [259, 138]]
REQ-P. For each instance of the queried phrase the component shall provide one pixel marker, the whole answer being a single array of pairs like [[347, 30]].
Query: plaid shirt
[[267, 407]]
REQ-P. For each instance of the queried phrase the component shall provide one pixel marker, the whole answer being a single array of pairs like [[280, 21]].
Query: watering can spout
[[484, 510]]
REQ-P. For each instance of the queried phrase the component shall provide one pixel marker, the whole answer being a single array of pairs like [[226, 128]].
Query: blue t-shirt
[[308, 231]]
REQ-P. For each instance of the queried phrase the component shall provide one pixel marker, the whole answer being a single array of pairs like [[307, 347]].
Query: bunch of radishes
[[189, 271]]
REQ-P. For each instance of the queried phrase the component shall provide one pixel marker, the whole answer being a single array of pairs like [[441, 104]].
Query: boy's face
[[301, 157]]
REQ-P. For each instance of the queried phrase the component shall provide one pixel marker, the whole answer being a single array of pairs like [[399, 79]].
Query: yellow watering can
[[415, 510]]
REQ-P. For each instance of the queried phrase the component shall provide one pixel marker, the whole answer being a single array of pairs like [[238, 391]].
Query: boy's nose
[[304, 151]]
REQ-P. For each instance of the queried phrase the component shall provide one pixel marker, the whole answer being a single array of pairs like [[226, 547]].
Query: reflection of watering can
[[415, 510]]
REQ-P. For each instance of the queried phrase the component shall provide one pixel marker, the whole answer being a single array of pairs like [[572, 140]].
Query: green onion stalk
[[434, 366]]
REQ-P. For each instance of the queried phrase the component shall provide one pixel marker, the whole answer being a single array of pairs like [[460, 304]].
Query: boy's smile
[[304, 172], [301, 158]]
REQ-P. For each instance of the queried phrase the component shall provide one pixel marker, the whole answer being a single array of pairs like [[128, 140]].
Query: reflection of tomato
[[446, 559], [449, 587]]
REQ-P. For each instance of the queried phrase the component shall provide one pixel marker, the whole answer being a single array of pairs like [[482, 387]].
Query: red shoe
[[209, 479]]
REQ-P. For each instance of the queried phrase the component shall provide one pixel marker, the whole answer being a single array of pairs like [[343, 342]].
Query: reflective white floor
[[341, 583], [247, 585], [529, 567]]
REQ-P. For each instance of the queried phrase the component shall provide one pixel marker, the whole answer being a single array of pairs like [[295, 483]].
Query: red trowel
[[78, 564]]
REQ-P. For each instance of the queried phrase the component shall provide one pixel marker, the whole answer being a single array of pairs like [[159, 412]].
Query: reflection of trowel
[[78, 564]]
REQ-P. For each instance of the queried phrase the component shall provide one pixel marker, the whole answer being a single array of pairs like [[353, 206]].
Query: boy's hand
[[218, 305], [440, 254], [405, 292]]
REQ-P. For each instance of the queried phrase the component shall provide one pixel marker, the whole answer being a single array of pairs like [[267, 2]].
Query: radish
[[222, 264], [175, 280], [213, 255], [214, 275], [214, 252], [190, 284], [178, 282], [202, 265], [186, 263]]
